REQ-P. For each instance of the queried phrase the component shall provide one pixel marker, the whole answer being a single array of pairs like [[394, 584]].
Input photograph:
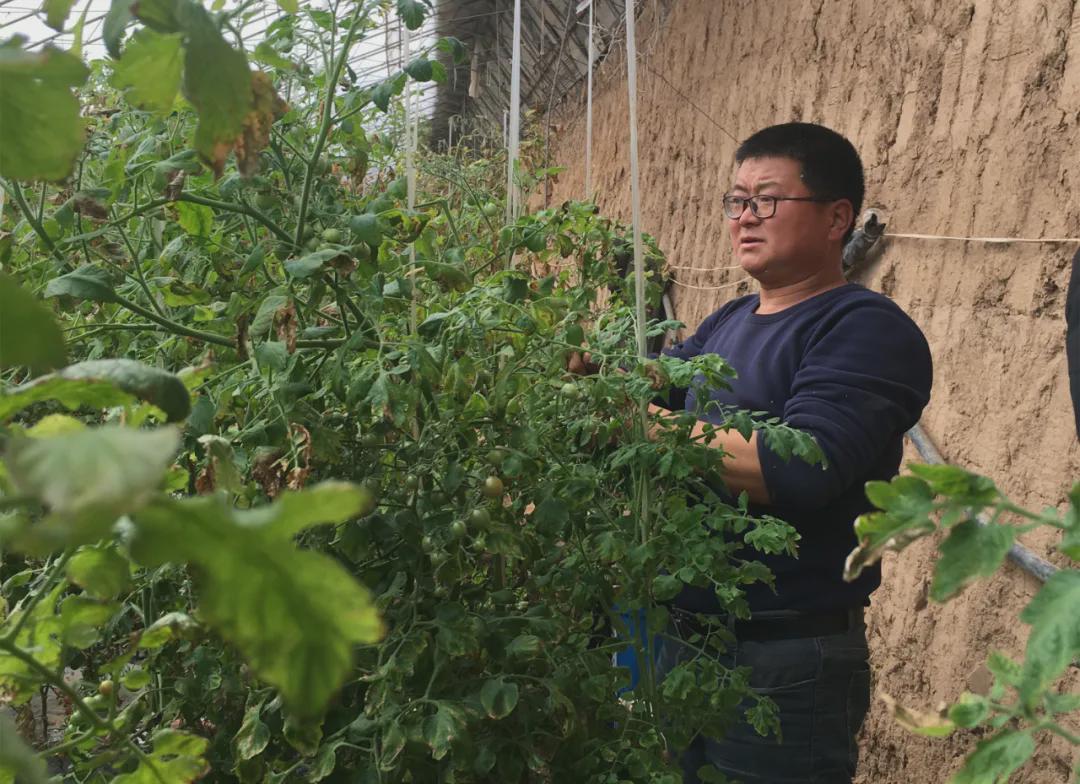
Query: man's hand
[[581, 364]]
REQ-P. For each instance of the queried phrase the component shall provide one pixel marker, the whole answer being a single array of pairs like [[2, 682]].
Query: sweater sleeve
[[862, 383], [675, 400]]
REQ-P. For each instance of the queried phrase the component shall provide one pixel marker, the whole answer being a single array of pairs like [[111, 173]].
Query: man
[[844, 364]]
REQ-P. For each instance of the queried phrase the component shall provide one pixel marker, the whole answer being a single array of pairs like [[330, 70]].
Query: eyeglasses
[[762, 206]]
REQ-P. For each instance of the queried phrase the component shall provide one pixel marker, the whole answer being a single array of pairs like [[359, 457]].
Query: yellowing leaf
[[266, 108], [150, 69], [932, 725], [294, 614], [217, 82], [41, 132]]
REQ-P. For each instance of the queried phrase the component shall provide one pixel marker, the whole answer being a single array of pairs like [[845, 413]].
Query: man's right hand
[[581, 364]]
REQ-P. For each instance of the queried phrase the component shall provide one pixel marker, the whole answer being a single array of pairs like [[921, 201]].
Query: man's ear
[[842, 216]]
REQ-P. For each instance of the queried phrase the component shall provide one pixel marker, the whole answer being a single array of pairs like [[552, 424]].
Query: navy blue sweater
[[852, 369]]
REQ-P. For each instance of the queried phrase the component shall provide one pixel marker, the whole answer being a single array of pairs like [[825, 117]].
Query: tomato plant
[[339, 513], [981, 526]]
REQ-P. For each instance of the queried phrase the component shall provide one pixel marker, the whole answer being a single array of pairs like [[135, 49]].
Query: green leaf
[[42, 132], [177, 758], [293, 614], [29, 335], [136, 679], [970, 710], [40, 633], [272, 355], [962, 487], [666, 586], [387, 89], [70, 393], [970, 551], [327, 503], [253, 736], [195, 219], [442, 729], [879, 532], [524, 646], [116, 21], [996, 758], [108, 467], [171, 626], [86, 282], [412, 13], [308, 265], [498, 697], [150, 70], [289, 6], [217, 82], [154, 385], [1055, 633], [165, 16], [18, 762], [453, 47], [82, 619], [419, 69], [99, 570], [264, 316], [56, 13]]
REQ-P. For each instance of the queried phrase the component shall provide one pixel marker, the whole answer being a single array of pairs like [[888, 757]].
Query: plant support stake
[[512, 197], [588, 113]]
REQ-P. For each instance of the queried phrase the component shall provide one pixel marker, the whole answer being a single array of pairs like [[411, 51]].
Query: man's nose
[[748, 218]]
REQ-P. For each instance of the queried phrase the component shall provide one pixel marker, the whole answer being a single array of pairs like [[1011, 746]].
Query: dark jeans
[[822, 688]]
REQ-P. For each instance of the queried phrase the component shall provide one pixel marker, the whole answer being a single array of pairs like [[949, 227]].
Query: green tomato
[[427, 544], [490, 209], [458, 529], [370, 440], [492, 488], [495, 457], [331, 235], [265, 200], [412, 483], [105, 688], [480, 517], [570, 391], [312, 244]]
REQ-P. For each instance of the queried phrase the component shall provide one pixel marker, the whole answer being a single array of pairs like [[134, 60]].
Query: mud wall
[[967, 116]]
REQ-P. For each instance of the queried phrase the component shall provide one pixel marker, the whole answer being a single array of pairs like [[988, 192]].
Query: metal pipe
[[1018, 554]]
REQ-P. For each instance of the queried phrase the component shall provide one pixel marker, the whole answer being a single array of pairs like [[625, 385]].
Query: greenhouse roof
[[554, 49]]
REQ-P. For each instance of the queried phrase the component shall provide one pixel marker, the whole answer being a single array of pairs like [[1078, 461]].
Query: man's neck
[[775, 298]]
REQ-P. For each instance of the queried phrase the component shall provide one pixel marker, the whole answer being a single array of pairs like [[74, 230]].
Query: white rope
[[588, 114], [513, 198], [635, 191], [992, 240], [702, 269], [709, 288], [410, 164]]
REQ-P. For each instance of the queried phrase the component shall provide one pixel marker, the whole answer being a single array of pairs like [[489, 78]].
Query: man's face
[[799, 238]]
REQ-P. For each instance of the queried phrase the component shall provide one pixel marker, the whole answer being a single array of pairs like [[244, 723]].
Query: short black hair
[[830, 164]]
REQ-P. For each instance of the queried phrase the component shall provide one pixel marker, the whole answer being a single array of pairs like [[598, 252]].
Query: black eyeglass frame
[[752, 202]]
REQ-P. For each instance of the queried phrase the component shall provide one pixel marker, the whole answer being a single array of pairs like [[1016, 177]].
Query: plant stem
[[13, 188], [324, 125]]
